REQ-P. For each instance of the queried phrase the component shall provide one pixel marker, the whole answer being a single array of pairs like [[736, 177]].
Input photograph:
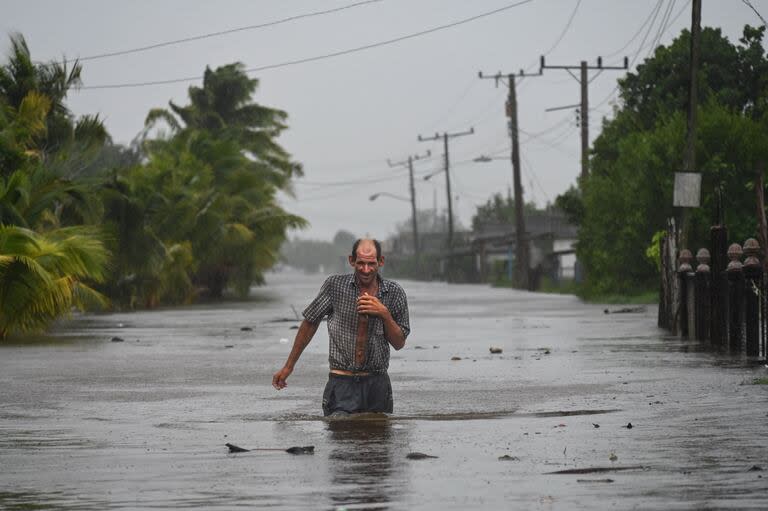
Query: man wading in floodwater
[[366, 314]]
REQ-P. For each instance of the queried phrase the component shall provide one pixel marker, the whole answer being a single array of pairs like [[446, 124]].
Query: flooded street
[[87, 423]]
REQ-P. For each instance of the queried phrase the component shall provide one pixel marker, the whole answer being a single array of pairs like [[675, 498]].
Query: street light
[[387, 194], [483, 158]]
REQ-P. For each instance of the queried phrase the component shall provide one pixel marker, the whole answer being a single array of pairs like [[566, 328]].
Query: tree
[[64, 135], [212, 182], [628, 195], [499, 210], [43, 276]]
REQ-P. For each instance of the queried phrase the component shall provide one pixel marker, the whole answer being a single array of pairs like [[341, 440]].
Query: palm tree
[[72, 140], [219, 172], [42, 276]]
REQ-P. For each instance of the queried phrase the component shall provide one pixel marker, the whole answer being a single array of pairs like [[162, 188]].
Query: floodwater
[[86, 423]]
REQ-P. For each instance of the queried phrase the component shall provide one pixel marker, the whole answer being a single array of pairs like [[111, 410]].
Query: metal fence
[[723, 301]]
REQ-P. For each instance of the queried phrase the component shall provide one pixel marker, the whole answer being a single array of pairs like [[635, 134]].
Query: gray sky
[[349, 114]]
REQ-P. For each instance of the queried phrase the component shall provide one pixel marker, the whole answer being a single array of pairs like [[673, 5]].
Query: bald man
[[366, 315]]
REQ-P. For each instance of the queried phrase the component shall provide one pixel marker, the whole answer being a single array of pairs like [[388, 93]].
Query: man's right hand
[[278, 380]]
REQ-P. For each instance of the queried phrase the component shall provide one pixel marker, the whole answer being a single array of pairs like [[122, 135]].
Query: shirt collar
[[383, 283]]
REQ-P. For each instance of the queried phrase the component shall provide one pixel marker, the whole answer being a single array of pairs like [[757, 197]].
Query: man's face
[[366, 264]]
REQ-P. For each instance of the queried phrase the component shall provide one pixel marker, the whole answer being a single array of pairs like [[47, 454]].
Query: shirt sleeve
[[321, 306], [399, 312]]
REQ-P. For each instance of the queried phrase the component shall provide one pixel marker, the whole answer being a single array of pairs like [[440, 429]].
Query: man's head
[[366, 259]]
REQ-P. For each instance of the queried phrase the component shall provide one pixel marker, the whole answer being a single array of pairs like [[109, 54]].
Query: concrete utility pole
[[521, 274], [584, 111], [445, 136], [689, 158], [409, 163]]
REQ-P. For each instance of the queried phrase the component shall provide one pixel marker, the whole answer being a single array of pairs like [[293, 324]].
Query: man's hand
[[367, 304], [278, 380]]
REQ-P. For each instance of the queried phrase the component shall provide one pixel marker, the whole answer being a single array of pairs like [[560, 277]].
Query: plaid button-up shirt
[[338, 300]]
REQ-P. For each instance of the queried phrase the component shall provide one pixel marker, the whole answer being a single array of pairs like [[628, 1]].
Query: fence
[[722, 301]]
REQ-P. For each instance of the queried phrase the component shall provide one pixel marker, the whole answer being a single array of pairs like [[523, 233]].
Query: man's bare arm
[[392, 331], [368, 304], [303, 337]]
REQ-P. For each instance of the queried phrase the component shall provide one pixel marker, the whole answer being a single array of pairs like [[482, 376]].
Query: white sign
[[687, 190]]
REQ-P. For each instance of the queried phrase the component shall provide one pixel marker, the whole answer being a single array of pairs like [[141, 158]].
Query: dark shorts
[[357, 394]]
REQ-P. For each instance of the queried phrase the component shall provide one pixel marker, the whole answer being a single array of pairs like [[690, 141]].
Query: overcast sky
[[350, 113]]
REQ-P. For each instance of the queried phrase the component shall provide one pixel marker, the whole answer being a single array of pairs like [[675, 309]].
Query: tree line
[[187, 210], [627, 198]]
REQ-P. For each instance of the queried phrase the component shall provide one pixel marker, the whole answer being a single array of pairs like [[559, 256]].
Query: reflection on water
[[364, 454]]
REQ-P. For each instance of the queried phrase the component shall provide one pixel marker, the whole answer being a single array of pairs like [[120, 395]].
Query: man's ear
[[381, 261], [351, 261]]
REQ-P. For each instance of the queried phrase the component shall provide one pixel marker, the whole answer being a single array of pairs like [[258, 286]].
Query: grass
[[640, 297], [760, 381]]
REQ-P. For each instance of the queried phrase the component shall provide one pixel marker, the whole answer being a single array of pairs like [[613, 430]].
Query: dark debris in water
[[507, 457], [418, 456], [596, 470]]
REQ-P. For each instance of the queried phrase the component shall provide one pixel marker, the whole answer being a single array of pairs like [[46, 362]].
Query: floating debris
[[507, 457], [246, 329], [455, 358], [495, 349], [118, 339], [755, 468], [306, 449], [594, 480], [625, 310], [629, 425], [613, 457], [596, 470], [596, 425], [418, 456]]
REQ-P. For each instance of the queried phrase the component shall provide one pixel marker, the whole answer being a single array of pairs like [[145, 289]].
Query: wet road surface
[[86, 423]]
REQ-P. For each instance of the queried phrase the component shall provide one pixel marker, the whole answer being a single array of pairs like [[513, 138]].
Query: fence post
[[702, 286], [735, 297], [753, 283], [719, 286], [683, 269]]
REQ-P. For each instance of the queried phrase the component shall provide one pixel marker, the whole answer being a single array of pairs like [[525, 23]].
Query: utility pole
[[584, 109], [445, 136], [521, 274], [409, 163], [689, 157]]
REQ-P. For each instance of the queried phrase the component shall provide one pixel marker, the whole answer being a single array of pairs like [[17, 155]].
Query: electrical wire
[[748, 3], [219, 33], [318, 57], [640, 48], [631, 40]]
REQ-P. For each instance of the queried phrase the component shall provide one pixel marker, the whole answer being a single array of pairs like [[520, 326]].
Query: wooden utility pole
[[584, 109], [689, 157], [446, 136], [415, 224], [521, 269]]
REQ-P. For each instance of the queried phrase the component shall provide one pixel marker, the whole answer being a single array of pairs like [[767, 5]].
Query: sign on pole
[[687, 192]]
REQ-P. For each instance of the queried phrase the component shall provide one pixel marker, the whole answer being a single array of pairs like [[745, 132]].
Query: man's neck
[[371, 288]]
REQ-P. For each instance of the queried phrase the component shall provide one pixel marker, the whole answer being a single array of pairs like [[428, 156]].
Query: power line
[[318, 57], [533, 64], [753, 8], [631, 40], [639, 49], [565, 29], [219, 33]]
